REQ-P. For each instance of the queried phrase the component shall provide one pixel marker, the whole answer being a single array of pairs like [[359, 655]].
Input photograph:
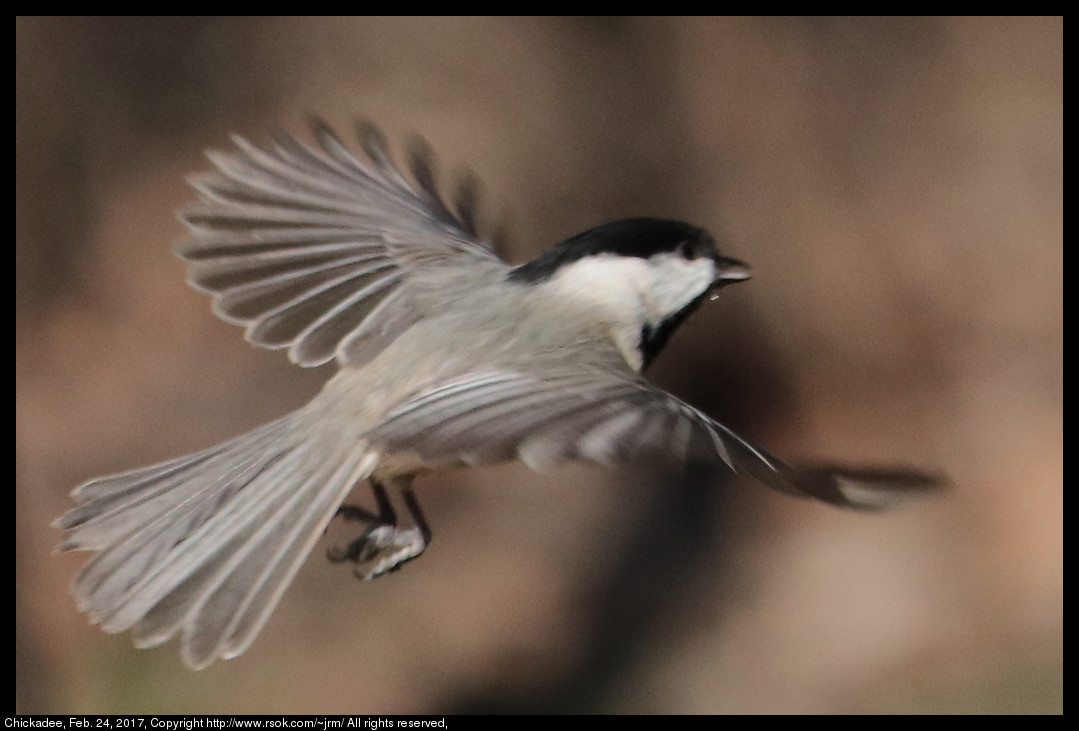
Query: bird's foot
[[382, 545], [379, 549]]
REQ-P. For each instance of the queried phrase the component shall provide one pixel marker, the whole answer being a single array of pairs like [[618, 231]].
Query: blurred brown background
[[897, 186]]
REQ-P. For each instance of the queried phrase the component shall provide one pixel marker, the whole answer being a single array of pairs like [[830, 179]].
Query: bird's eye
[[688, 249]]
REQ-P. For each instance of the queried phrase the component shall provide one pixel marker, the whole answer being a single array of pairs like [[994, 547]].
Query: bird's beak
[[729, 271]]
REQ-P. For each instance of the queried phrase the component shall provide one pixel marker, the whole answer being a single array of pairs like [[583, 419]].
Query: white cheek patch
[[676, 282], [630, 293], [608, 283]]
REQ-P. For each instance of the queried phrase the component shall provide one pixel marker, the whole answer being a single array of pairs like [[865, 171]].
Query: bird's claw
[[379, 549]]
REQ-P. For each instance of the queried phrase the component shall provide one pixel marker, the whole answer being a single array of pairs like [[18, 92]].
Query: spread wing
[[608, 418], [312, 248]]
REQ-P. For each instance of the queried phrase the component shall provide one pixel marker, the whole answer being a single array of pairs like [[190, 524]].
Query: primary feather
[[302, 244]]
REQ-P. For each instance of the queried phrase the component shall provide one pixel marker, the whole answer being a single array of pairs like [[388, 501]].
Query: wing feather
[[302, 243], [605, 417]]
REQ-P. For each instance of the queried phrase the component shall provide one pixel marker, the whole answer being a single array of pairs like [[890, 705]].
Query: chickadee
[[447, 356]]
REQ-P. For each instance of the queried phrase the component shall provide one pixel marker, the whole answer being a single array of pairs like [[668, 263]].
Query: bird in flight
[[446, 355]]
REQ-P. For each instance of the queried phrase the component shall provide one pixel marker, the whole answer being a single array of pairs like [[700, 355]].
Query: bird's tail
[[206, 544]]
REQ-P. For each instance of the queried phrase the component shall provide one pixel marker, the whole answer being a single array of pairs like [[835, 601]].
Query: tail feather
[[161, 624], [235, 606], [225, 567], [183, 514], [209, 530], [207, 544], [232, 613], [125, 504]]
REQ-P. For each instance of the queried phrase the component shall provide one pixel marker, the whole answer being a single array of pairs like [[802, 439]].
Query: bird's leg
[[417, 514], [386, 517], [386, 514], [384, 545]]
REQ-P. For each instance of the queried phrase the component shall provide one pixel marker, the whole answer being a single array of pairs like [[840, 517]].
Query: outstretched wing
[[543, 419], [312, 248]]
